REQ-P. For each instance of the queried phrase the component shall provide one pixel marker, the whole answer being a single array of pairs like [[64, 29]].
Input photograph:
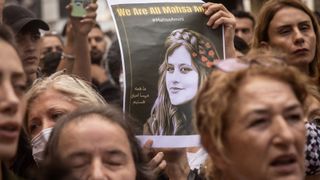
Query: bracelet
[[67, 56]]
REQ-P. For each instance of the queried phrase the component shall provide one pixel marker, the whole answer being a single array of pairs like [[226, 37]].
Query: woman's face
[[265, 134], [12, 105], [97, 149], [182, 78], [46, 109], [291, 30]]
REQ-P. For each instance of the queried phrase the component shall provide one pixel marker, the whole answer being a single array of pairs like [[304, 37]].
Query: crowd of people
[[257, 112]]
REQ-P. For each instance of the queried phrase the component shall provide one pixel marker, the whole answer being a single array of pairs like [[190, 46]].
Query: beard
[[96, 56]]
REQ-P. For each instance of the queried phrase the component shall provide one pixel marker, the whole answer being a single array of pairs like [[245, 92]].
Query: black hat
[[18, 17]]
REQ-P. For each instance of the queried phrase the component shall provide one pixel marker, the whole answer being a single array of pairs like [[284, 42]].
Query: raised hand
[[84, 24], [157, 163], [219, 15]]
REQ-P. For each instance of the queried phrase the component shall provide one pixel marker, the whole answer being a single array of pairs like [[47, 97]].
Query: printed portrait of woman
[[188, 59]]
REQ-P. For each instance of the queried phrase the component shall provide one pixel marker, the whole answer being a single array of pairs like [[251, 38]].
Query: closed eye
[[114, 158], [284, 31], [79, 160], [294, 117], [111, 162], [293, 114], [259, 122]]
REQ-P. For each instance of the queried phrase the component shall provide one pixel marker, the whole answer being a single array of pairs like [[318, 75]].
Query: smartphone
[[79, 7]]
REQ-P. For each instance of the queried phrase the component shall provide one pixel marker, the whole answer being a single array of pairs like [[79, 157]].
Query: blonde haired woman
[[48, 99]]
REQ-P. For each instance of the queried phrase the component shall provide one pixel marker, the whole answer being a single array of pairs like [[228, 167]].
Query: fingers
[[148, 144], [157, 163], [156, 159], [88, 20], [211, 8], [91, 13], [147, 148], [219, 15], [215, 19], [161, 167], [91, 10], [92, 7], [206, 5]]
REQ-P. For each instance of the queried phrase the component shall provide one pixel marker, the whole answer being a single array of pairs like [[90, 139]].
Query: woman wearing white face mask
[[47, 100], [50, 98]]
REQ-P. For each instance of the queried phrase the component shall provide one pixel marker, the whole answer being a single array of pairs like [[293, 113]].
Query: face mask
[[50, 63], [39, 143]]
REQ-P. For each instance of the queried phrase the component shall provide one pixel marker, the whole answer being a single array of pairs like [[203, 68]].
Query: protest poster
[[167, 51]]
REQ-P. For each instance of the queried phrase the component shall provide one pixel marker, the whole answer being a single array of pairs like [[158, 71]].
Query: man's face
[[29, 43], [244, 29], [51, 44], [97, 45]]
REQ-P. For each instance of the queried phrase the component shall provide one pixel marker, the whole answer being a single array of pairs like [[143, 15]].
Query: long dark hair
[[165, 118]]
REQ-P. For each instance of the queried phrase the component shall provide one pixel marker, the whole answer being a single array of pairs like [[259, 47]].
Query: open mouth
[[285, 164], [9, 131]]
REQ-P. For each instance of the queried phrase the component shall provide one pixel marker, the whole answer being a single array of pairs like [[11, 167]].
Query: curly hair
[[165, 118], [214, 99]]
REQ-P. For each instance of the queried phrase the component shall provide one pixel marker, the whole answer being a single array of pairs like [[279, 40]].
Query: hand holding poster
[[167, 51]]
